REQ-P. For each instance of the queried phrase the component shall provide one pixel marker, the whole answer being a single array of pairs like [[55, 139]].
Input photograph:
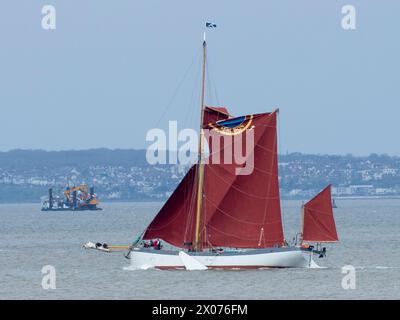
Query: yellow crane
[[89, 200]]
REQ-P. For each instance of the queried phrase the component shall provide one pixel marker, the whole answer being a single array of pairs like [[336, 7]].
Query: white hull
[[259, 258]]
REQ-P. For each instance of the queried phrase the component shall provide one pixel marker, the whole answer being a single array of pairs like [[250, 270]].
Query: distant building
[[362, 190]]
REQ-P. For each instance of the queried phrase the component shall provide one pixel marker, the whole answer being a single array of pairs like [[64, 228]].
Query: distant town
[[125, 175]]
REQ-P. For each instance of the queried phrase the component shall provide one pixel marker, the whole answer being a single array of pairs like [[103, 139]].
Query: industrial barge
[[75, 198]]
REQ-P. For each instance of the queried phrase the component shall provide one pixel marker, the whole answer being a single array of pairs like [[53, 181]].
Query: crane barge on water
[[76, 198]]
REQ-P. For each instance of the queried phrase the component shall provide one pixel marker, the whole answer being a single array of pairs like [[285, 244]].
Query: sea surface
[[31, 239]]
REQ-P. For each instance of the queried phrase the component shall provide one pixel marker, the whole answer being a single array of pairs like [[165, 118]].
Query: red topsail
[[318, 222], [241, 211], [213, 114]]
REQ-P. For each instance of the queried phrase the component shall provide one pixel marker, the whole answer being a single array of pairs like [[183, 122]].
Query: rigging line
[[211, 84], [237, 188], [234, 218], [189, 217], [231, 145], [189, 118], [231, 184], [208, 86], [223, 200], [272, 163], [264, 148], [186, 191], [167, 107], [192, 204], [252, 167], [168, 222], [282, 175], [321, 226], [319, 212], [274, 158], [241, 238], [233, 235], [195, 95], [215, 88], [165, 224], [236, 165], [190, 189], [209, 92]]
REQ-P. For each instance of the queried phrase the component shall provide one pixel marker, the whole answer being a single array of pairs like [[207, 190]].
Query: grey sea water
[[31, 239]]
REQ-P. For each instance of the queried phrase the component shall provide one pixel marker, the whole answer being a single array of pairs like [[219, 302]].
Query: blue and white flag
[[210, 25]]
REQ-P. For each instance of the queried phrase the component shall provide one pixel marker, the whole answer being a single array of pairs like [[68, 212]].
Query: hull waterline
[[253, 259]]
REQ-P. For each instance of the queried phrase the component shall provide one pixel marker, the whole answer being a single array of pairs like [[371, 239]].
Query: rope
[[167, 107], [235, 236], [239, 220], [210, 82]]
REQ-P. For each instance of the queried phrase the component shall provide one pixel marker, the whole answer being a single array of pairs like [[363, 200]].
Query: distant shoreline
[[367, 198], [125, 175], [161, 202]]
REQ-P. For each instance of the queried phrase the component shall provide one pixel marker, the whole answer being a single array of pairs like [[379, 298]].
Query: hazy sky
[[106, 75]]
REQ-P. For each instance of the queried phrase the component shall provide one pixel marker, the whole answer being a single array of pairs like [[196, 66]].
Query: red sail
[[174, 223], [319, 224], [213, 114], [243, 211], [239, 209]]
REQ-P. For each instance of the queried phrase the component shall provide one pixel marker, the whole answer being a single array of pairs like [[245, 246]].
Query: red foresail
[[240, 199], [318, 221], [174, 223]]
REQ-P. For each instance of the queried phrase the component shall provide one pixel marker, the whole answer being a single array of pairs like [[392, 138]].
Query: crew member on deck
[[157, 244]]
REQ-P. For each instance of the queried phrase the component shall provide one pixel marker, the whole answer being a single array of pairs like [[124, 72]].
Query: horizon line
[[168, 150]]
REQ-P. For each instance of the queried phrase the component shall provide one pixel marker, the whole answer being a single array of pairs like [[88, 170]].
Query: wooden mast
[[301, 223], [200, 155]]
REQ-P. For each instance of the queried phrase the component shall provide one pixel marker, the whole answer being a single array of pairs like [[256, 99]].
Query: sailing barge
[[217, 218]]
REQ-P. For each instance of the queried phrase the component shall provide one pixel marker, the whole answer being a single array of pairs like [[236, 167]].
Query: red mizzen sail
[[237, 210], [318, 222]]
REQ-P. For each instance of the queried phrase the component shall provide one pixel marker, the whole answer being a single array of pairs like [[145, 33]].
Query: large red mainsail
[[243, 210], [237, 210], [318, 222]]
